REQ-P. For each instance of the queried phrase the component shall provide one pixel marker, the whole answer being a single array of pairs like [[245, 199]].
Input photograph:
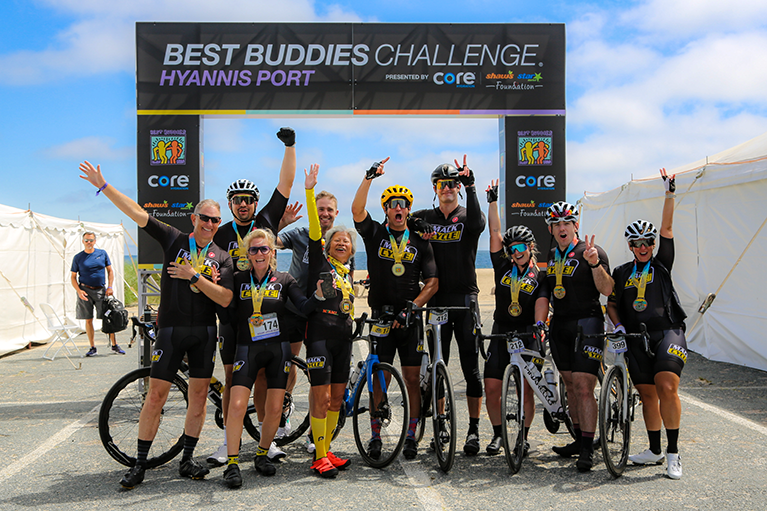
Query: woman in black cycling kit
[[644, 293], [259, 300], [521, 300]]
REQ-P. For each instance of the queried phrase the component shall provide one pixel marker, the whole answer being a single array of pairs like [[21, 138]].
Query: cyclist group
[[229, 271]]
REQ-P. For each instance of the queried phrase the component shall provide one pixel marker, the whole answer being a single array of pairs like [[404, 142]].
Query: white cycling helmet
[[640, 230], [561, 212], [242, 186]]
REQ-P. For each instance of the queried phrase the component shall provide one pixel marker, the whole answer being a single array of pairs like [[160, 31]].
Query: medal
[[242, 263], [559, 292], [515, 285], [343, 282], [640, 282], [515, 310], [194, 288], [256, 320], [398, 269], [346, 306], [242, 250], [640, 304], [398, 250], [257, 297], [197, 261], [559, 269]]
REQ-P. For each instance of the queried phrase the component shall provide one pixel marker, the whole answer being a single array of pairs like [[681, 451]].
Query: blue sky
[[649, 84]]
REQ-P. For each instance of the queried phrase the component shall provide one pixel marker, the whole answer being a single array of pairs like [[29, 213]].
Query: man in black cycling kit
[[397, 261], [577, 273], [454, 240], [186, 320], [243, 198]]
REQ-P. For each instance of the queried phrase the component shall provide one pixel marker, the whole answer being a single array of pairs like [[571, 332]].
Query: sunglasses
[[516, 247], [403, 203], [642, 243], [446, 183], [206, 218], [264, 249], [89, 241], [239, 199]]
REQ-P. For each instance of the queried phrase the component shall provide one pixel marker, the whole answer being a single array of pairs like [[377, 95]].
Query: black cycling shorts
[[328, 361], [198, 343], [670, 349], [273, 357], [293, 325], [404, 341], [562, 344], [498, 356], [227, 342]]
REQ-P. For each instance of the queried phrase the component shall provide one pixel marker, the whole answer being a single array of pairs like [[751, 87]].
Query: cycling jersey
[[534, 286], [179, 305], [385, 287], [581, 298], [329, 320]]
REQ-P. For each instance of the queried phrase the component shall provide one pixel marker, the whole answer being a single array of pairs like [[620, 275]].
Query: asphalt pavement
[[53, 458]]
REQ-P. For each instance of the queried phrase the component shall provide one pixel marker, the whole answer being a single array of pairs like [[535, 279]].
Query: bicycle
[[618, 400], [388, 398], [121, 408], [547, 386]]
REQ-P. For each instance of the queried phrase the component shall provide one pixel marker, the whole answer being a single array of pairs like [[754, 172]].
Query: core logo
[[543, 182], [176, 182], [463, 79]]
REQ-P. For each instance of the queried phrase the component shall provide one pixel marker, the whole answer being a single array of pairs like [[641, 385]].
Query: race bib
[[268, 329], [617, 345], [380, 329], [515, 345], [437, 318]]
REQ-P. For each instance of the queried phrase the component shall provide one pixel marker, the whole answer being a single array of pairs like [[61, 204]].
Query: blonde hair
[[262, 234]]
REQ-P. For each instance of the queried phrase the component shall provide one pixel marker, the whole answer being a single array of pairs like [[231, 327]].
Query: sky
[[649, 84]]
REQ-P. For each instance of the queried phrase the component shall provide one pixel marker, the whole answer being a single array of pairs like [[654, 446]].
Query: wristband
[[616, 325], [194, 278], [321, 299], [101, 189], [594, 266]]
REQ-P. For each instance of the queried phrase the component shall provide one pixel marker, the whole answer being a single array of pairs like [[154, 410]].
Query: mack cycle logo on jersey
[[385, 252], [528, 285], [271, 291], [447, 233], [570, 266], [167, 147], [534, 149]]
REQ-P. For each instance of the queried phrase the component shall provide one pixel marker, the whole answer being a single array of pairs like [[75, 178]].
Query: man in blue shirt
[[89, 265]]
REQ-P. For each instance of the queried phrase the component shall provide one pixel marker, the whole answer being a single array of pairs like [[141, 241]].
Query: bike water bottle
[[422, 374], [549, 374]]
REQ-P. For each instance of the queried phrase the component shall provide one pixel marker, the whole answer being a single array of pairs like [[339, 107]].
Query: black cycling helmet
[[242, 186], [640, 230], [518, 234], [444, 171]]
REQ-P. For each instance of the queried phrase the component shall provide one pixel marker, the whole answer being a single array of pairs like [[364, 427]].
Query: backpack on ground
[[115, 316]]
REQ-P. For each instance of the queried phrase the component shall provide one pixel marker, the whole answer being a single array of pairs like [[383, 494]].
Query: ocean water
[[283, 260]]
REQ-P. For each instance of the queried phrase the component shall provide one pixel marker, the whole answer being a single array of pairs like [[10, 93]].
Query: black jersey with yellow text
[[581, 298], [328, 321], [179, 305], [534, 286]]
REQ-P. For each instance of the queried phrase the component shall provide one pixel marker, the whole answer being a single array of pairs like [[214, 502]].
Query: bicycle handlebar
[[611, 335], [535, 335]]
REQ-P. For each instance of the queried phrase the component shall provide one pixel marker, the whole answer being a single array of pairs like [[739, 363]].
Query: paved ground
[[53, 458]]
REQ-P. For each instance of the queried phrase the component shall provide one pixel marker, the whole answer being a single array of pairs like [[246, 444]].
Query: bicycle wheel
[[425, 412], [566, 408], [614, 424], [445, 422], [299, 417], [513, 424], [119, 416], [393, 410]]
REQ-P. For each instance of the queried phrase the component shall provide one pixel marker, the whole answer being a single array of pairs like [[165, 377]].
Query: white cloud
[[96, 148]]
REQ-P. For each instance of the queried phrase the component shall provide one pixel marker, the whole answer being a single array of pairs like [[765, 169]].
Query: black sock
[[143, 451], [673, 437], [654, 437], [578, 433], [527, 430], [473, 425], [497, 430], [189, 444]]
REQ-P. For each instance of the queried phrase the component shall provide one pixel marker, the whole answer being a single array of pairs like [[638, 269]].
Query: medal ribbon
[[197, 260], [559, 262], [398, 250], [257, 293], [516, 286], [241, 250], [342, 281], [640, 281]]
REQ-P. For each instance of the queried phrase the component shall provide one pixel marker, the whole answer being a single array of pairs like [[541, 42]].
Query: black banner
[[350, 68], [168, 152], [533, 177]]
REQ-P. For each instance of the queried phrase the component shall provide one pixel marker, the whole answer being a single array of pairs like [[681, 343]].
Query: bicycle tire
[[512, 418], [393, 409], [119, 417], [301, 413], [566, 408], [614, 425], [444, 422], [424, 413]]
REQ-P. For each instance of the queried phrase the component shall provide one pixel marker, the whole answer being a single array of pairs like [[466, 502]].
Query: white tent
[[35, 263], [720, 241]]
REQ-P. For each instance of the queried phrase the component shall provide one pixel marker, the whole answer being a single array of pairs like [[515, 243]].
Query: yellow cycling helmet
[[396, 191]]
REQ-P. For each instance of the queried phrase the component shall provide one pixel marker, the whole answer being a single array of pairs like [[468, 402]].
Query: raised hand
[[466, 175], [291, 214], [92, 174], [311, 176], [492, 191], [287, 136], [376, 170], [668, 182], [590, 254]]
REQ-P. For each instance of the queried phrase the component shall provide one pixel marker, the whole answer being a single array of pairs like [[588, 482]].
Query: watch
[[594, 266], [195, 278]]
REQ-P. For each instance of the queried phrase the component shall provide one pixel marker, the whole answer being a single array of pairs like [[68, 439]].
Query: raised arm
[[125, 204], [494, 218], [359, 213], [667, 220], [315, 230], [476, 221], [288, 169]]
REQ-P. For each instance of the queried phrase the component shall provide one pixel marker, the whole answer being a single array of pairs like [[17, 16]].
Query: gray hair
[[206, 202], [349, 231], [89, 232]]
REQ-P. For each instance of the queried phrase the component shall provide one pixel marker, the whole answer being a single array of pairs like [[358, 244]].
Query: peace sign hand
[[668, 182], [590, 254], [465, 175]]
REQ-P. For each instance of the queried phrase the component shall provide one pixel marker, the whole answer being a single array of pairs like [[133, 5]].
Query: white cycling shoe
[[275, 453], [646, 457], [219, 457], [674, 469]]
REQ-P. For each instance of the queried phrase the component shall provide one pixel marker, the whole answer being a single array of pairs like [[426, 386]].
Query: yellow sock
[[332, 421], [318, 432]]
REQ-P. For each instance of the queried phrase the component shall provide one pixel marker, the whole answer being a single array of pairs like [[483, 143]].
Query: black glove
[[371, 173], [287, 136], [402, 317], [492, 194], [542, 326], [466, 180], [415, 223], [669, 183]]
